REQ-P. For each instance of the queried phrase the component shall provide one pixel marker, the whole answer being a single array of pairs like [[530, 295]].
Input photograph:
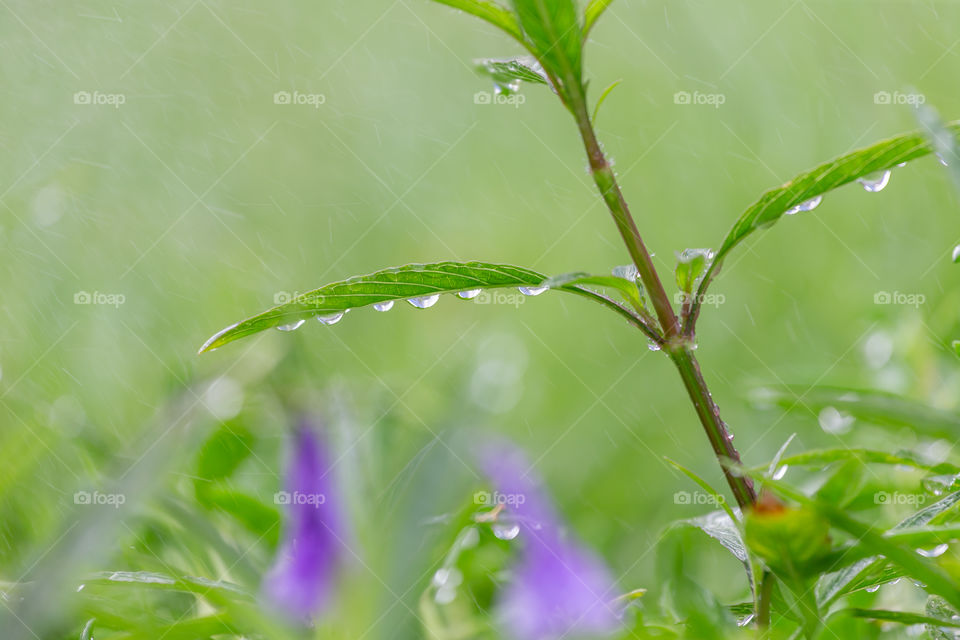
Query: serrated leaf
[[719, 526], [812, 184], [397, 284], [490, 12], [592, 13], [508, 73], [877, 407]]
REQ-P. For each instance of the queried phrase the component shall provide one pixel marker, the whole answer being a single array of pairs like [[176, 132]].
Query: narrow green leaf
[[87, 632], [489, 11], [719, 526], [813, 184], [877, 407], [420, 283], [602, 99], [592, 13], [163, 581], [901, 617]]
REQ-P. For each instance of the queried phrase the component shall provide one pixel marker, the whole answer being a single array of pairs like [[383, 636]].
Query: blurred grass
[[199, 199]]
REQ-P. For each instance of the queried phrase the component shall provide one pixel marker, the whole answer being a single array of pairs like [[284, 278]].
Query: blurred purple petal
[[559, 588], [311, 552]]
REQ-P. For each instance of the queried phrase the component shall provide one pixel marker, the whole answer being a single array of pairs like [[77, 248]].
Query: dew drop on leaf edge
[[874, 182], [383, 306], [331, 318], [469, 294], [532, 291], [292, 326], [808, 205], [424, 302]]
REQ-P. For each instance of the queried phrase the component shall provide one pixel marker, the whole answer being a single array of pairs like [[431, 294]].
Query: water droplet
[[446, 581], [80, 588], [955, 256], [506, 531], [779, 473], [293, 326], [383, 306], [939, 485], [532, 291], [653, 346], [745, 620], [627, 272], [935, 552], [832, 421], [874, 182], [331, 318], [873, 589], [901, 164], [424, 302], [469, 295], [729, 435], [506, 88], [940, 158], [809, 205]]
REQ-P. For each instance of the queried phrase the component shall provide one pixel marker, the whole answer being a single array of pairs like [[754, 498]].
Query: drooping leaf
[[877, 407], [719, 526], [421, 283], [811, 184], [592, 13], [489, 11], [821, 457]]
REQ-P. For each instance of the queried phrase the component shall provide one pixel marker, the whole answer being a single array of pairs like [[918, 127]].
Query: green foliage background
[[199, 199]]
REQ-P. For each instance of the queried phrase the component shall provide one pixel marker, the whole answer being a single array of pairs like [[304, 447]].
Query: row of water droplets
[[872, 182], [420, 302]]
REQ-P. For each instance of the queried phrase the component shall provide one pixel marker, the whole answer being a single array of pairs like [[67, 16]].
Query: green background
[[199, 199]]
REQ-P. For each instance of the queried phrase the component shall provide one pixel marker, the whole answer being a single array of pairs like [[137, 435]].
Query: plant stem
[[677, 346]]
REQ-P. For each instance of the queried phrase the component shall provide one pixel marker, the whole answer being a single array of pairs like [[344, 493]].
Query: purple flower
[[301, 581], [559, 588]]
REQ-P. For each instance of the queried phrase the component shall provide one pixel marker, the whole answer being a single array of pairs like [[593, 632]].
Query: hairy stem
[[675, 344]]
